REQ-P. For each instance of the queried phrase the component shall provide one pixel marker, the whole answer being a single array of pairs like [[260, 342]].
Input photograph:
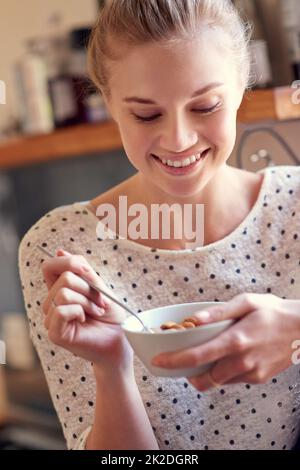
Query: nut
[[191, 320], [188, 324], [177, 327], [168, 325]]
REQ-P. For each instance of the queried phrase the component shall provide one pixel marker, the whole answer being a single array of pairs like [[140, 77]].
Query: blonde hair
[[138, 22]]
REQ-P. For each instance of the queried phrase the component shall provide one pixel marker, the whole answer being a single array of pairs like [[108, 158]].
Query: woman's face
[[176, 125]]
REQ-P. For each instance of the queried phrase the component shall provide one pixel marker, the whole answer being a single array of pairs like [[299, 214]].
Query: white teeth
[[183, 163], [186, 162]]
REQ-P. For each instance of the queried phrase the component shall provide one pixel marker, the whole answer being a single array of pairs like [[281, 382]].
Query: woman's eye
[[208, 110], [145, 119], [152, 118]]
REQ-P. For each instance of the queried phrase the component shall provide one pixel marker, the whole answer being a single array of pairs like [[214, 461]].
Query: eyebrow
[[202, 91]]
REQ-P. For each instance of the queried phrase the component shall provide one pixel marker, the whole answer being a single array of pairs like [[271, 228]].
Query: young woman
[[173, 75]]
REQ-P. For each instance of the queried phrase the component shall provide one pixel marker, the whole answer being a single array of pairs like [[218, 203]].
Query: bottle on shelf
[[260, 59], [30, 74], [77, 69], [290, 15], [60, 86], [91, 107]]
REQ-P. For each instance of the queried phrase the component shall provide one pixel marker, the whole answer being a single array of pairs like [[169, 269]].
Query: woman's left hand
[[258, 346]]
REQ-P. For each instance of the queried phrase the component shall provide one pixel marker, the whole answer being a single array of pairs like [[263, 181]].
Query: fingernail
[[85, 269], [107, 302], [158, 362], [193, 382], [203, 316], [101, 311]]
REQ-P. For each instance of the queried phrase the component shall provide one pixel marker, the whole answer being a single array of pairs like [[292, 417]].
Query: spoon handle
[[98, 289]]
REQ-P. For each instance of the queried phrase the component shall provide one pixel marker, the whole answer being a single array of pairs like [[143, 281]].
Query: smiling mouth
[[184, 163]]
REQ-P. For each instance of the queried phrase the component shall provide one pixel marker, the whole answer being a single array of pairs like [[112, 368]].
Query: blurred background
[[54, 127]]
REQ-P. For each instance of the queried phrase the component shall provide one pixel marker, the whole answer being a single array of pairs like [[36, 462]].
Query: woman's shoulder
[[284, 179], [284, 174], [282, 190], [58, 214], [61, 227], [69, 226]]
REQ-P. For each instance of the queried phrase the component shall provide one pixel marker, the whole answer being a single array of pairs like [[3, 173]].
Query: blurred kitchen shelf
[[62, 143], [27, 438], [258, 105], [29, 421], [21, 384], [270, 104]]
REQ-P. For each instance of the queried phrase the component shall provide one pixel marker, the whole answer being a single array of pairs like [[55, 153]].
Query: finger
[[238, 379], [225, 371], [77, 264], [61, 252], [66, 296], [54, 267], [60, 318], [228, 343], [47, 317], [236, 308], [231, 367], [205, 381], [72, 281], [255, 376], [90, 275]]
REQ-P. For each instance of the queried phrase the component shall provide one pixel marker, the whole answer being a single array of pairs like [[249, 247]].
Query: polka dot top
[[261, 255]]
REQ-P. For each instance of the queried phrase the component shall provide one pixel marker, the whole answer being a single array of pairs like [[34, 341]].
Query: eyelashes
[[156, 116]]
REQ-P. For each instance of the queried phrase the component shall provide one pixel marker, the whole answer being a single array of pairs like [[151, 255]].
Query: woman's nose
[[178, 135]]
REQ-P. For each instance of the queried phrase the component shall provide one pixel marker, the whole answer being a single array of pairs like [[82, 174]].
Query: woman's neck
[[227, 200]]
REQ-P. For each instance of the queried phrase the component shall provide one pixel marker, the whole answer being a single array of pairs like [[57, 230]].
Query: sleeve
[[70, 379]]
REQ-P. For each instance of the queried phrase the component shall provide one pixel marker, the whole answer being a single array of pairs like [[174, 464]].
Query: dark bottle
[[61, 90], [77, 70], [63, 100]]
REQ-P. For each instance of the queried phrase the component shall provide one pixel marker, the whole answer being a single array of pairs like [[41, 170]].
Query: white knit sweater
[[261, 255]]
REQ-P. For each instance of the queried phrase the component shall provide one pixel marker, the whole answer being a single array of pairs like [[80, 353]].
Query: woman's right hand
[[80, 319]]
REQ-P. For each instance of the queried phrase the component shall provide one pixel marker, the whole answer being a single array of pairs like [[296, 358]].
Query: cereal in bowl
[[189, 322]]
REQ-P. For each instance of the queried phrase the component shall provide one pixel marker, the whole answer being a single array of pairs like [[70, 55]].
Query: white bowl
[[146, 345]]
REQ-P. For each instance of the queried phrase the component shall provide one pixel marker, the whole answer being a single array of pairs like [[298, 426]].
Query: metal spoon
[[96, 288]]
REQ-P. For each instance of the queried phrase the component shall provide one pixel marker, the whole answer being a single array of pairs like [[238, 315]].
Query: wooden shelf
[[258, 105], [63, 143], [272, 104]]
